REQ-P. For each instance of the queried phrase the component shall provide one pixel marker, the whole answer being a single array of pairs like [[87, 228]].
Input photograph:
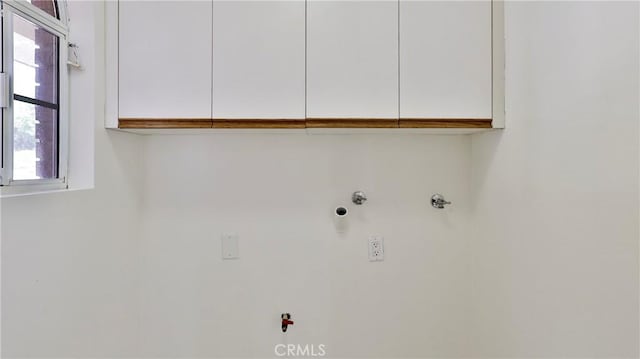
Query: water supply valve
[[438, 201], [286, 321]]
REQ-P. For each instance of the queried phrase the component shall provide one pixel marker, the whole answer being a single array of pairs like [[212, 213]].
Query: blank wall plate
[[230, 249]]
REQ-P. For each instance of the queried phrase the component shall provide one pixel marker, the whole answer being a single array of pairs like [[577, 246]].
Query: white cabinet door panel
[[258, 59], [352, 59], [165, 59], [445, 59]]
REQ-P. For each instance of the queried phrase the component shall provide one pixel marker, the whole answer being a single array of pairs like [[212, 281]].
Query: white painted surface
[[498, 65], [259, 59], [69, 260], [279, 193], [111, 60], [86, 98], [555, 251], [445, 59], [165, 59], [502, 272], [376, 248], [230, 247], [352, 59]]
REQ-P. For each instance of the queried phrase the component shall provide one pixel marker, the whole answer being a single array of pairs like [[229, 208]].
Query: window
[[34, 94]]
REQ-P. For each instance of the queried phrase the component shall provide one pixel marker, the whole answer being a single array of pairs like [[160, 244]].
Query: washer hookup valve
[[286, 321]]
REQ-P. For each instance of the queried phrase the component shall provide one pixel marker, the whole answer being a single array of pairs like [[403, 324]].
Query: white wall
[[69, 259], [278, 193], [537, 256], [555, 251]]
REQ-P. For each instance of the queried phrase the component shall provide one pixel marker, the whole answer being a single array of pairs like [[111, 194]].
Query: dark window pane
[[35, 65], [50, 7], [35, 141]]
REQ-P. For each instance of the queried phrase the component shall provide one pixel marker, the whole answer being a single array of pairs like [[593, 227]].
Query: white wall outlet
[[376, 248], [230, 248]]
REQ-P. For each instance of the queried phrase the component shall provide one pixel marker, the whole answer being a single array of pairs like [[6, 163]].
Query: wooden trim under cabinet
[[164, 123], [352, 123], [248, 123], [254, 123], [445, 123]]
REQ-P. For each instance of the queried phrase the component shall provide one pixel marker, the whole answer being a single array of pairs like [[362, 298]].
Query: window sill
[[32, 189]]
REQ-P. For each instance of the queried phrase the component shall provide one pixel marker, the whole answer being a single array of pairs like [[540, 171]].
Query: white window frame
[[60, 29]]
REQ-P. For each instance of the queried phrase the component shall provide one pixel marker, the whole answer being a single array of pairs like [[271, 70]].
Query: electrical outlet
[[376, 249]]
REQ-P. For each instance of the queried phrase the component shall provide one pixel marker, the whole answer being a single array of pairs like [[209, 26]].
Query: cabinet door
[[258, 59], [352, 59], [165, 59], [445, 59]]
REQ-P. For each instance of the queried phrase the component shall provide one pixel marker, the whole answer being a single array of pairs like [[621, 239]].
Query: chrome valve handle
[[358, 197], [438, 201]]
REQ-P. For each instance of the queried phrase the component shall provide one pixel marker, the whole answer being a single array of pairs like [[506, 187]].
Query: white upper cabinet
[[445, 59], [313, 63], [258, 59], [352, 59], [165, 59]]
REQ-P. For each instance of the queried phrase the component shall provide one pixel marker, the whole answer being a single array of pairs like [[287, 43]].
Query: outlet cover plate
[[376, 248]]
